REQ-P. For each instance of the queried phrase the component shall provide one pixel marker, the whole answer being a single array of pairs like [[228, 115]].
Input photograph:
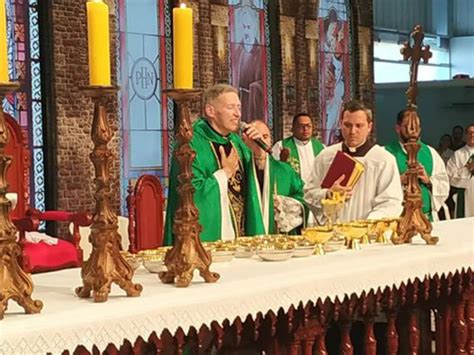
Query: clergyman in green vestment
[[299, 149], [219, 169], [434, 181], [275, 188]]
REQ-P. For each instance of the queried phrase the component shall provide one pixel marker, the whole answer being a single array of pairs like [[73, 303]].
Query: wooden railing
[[321, 326]]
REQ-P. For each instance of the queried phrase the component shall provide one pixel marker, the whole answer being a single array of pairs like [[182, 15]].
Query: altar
[[273, 304]]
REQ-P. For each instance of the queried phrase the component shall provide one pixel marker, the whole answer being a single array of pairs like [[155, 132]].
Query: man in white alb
[[460, 170], [378, 193]]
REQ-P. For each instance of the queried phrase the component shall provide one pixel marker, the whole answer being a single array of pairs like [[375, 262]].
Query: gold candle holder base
[[105, 265], [187, 253], [15, 284]]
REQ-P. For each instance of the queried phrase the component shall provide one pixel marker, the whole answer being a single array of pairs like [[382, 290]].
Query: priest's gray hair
[[357, 105], [217, 90]]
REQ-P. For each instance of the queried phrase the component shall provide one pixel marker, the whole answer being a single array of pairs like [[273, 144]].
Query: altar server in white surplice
[[378, 193], [460, 169]]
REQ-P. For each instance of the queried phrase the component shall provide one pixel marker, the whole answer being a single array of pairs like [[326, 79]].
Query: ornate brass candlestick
[[14, 282], [187, 253], [413, 220], [105, 264]]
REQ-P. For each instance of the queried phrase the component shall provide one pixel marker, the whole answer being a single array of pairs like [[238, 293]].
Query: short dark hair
[[401, 115], [357, 105], [458, 127], [298, 115], [468, 126]]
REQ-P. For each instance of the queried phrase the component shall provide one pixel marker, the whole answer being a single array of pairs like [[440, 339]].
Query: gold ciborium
[[377, 231], [356, 233], [319, 235], [332, 206]]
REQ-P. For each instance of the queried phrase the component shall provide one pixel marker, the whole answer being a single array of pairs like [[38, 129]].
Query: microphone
[[244, 126]]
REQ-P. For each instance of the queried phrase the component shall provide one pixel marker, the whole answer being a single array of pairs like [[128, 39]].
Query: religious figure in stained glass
[[334, 65], [248, 57]]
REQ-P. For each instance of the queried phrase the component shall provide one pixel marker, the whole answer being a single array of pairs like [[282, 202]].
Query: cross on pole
[[416, 52]]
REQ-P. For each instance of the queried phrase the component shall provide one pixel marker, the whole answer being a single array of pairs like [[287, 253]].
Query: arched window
[[250, 57], [25, 103], [146, 115], [335, 53]]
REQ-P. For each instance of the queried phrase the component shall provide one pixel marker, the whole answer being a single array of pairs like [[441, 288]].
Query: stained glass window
[[334, 58], [250, 57], [25, 104], [147, 118]]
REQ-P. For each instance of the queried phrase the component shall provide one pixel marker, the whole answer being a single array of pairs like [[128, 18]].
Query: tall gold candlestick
[[105, 264], [15, 284], [187, 253], [413, 221]]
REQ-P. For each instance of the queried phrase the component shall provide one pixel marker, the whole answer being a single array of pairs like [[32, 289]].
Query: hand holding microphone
[[254, 135]]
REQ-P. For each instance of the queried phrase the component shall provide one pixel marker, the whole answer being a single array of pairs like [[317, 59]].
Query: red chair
[[145, 214], [38, 257]]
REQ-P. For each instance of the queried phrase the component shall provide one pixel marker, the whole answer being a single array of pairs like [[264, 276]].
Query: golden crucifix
[[413, 221]]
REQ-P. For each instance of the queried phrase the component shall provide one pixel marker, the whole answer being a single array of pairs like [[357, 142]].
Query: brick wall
[[74, 109]]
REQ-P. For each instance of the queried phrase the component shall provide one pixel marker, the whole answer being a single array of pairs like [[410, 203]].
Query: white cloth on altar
[[461, 177], [377, 194], [246, 287]]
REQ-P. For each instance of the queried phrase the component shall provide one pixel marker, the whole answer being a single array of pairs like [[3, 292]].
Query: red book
[[343, 164]]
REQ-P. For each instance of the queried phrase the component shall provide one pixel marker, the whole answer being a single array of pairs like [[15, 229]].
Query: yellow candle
[[183, 47], [99, 46], [4, 78]]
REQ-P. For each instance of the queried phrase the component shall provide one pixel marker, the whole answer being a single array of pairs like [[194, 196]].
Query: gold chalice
[[332, 206], [319, 235]]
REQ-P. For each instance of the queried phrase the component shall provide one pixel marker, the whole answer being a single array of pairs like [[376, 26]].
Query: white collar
[[297, 141]]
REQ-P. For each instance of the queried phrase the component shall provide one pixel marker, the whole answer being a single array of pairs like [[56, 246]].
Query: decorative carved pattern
[[105, 265], [15, 284], [413, 220], [271, 333], [187, 253]]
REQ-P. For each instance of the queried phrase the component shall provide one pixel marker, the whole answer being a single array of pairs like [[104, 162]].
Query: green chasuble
[[207, 193], [294, 159], [282, 179], [424, 158]]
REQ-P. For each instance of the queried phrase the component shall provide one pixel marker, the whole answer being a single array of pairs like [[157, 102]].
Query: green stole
[[294, 159], [280, 178], [426, 159], [207, 194]]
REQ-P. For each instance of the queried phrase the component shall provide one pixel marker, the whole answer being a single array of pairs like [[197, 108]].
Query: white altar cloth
[[246, 287]]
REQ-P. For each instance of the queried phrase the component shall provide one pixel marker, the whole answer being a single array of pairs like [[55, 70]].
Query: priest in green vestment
[[434, 181], [275, 191], [219, 169], [300, 149]]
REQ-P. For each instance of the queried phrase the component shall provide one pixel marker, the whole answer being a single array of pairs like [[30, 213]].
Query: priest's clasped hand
[[230, 163], [337, 187]]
